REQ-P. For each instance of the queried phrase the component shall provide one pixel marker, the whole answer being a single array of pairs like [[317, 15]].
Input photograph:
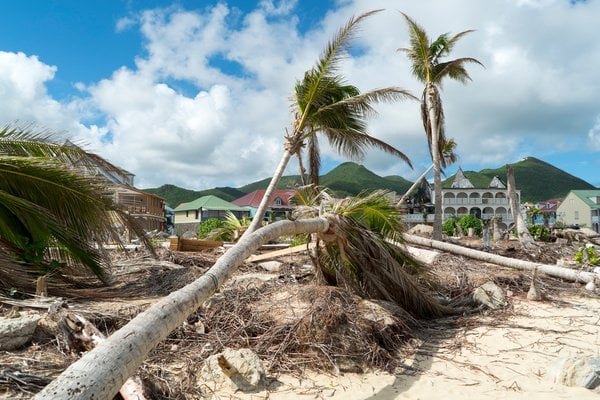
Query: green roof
[[209, 203], [587, 195]]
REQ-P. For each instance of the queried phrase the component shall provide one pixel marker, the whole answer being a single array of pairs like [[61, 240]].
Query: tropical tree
[[325, 103], [429, 68], [53, 217], [358, 253]]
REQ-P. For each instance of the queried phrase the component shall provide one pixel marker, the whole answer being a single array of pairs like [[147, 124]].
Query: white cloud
[[594, 135], [207, 103]]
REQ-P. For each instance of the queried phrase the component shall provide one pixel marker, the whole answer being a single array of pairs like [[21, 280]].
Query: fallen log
[[551, 270], [82, 336]]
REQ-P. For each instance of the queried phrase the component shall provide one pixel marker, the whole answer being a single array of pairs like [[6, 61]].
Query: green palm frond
[[54, 211], [358, 254]]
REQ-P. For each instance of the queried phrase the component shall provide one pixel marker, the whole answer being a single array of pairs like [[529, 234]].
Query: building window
[[197, 214], [187, 214], [278, 201], [576, 215]]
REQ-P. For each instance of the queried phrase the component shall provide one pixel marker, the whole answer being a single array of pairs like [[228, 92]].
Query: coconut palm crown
[[429, 67], [52, 216], [325, 103]]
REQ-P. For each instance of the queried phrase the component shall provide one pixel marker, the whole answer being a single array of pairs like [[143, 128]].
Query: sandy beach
[[499, 357]]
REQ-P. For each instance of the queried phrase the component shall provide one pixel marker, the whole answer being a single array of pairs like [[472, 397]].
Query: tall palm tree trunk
[[264, 203], [431, 99], [414, 185], [100, 373]]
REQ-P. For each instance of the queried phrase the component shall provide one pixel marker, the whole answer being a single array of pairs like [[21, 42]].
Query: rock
[[271, 266], [590, 286], [421, 229], [241, 368], [490, 295], [576, 371], [15, 332], [589, 233], [189, 235]]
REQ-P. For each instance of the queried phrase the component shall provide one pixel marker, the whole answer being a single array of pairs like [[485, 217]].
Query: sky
[[197, 93]]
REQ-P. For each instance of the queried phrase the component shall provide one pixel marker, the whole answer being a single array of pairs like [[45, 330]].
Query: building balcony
[[475, 201]]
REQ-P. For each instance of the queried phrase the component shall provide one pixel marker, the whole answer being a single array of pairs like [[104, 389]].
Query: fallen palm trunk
[[100, 373], [552, 270], [82, 335]]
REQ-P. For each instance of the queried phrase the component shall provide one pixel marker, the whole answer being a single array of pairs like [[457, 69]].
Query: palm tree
[[325, 103], [52, 216], [356, 232], [428, 67]]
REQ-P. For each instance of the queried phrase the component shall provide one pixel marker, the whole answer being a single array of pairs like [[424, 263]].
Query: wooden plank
[[279, 253]]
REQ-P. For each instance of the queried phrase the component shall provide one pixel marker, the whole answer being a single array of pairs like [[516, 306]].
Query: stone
[[271, 266], [15, 332], [242, 369], [490, 295], [421, 229], [576, 371]]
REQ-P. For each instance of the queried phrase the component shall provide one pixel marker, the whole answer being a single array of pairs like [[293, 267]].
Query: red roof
[[253, 199], [549, 205]]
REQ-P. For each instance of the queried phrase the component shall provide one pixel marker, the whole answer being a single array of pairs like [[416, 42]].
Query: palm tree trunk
[[552, 270], [100, 373], [521, 229], [414, 185], [431, 100], [264, 203]]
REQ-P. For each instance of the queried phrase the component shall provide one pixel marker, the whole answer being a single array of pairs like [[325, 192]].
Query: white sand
[[499, 359]]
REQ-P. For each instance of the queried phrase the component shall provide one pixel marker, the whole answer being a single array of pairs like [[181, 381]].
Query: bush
[[593, 258], [540, 232], [470, 221], [449, 226], [208, 226]]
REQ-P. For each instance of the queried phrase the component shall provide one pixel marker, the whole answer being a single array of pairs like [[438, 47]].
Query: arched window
[[278, 201]]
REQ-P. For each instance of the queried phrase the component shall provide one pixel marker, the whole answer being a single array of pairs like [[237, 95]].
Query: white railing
[[480, 201]]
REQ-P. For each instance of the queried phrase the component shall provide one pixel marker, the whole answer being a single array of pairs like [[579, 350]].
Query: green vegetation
[[52, 210], [591, 258], [349, 179], [465, 222], [540, 232], [208, 226]]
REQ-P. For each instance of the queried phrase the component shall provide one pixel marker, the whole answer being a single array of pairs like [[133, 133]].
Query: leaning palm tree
[[325, 103], [358, 254], [53, 217], [429, 68], [361, 250]]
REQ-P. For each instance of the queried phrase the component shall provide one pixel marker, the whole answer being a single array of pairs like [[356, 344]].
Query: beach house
[[581, 208]]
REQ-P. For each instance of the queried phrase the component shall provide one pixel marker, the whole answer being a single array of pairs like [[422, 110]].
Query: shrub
[[208, 226], [470, 221], [449, 226], [593, 258], [540, 232]]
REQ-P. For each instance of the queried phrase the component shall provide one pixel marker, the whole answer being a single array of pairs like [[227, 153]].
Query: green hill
[[536, 179], [174, 195], [349, 179]]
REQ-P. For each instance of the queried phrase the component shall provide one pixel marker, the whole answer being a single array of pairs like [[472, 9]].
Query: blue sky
[[196, 93]]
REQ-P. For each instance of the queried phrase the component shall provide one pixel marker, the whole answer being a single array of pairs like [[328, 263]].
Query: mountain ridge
[[537, 180]]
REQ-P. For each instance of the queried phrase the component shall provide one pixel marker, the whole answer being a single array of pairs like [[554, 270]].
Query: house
[[188, 216], [418, 207], [462, 198], [547, 212], [581, 208], [279, 204], [147, 209]]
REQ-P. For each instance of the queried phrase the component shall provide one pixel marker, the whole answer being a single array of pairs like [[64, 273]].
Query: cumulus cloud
[[207, 102]]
